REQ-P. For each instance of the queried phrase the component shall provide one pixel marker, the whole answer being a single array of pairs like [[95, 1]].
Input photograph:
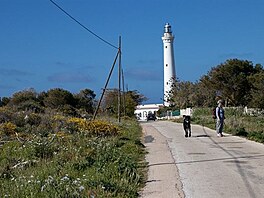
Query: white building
[[169, 63], [142, 111]]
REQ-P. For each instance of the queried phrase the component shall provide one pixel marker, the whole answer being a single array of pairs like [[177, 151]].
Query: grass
[[73, 163], [236, 123]]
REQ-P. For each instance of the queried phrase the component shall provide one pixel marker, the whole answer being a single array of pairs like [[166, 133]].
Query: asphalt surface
[[202, 166]]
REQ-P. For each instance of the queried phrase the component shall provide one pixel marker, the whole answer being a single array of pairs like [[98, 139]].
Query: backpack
[[214, 113]]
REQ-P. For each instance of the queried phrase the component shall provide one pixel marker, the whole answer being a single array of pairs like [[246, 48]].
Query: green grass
[[236, 123], [74, 165]]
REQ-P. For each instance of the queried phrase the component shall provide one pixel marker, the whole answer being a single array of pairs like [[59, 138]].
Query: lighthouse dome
[[167, 28]]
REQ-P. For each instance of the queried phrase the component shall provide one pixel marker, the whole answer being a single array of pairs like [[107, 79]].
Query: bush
[[97, 128], [8, 129], [256, 136]]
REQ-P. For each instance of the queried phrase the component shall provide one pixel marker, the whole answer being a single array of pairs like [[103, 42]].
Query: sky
[[42, 48]]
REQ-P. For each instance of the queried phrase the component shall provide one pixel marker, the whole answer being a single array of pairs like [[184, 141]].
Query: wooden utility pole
[[107, 81], [124, 94], [119, 81], [118, 55]]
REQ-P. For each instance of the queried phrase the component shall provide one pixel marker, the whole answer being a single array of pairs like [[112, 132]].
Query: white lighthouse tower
[[169, 63]]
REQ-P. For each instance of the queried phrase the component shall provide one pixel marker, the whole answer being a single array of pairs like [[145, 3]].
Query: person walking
[[220, 116]]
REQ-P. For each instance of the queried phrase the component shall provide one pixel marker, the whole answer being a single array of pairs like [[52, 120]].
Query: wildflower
[[81, 188], [75, 182], [65, 178], [43, 187]]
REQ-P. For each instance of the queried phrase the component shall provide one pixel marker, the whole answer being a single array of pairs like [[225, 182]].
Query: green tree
[[26, 100], [132, 99], [257, 90], [85, 99], [58, 98], [205, 95], [230, 80], [4, 101], [182, 94]]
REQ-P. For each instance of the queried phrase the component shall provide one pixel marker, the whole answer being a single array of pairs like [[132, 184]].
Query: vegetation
[[70, 157], [49, 147], [237, 82], [130, 100], [236, 122]]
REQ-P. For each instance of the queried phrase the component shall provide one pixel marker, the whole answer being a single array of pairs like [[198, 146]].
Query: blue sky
[[42, 48]]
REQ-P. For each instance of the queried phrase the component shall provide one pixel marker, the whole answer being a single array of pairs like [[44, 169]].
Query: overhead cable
[[83, 25]]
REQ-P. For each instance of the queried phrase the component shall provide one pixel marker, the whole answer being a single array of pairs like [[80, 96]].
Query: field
[[79, 158]]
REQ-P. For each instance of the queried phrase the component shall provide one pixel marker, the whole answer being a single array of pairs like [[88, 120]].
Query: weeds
[[71, 157], [236, 123]]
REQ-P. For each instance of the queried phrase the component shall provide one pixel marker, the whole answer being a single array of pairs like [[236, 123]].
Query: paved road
[[203, 166]]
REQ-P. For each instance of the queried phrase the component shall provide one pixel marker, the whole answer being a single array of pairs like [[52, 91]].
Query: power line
[[83, 25]]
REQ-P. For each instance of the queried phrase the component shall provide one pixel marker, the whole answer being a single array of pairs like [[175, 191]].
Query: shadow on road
[[211, 160], [236, 160]]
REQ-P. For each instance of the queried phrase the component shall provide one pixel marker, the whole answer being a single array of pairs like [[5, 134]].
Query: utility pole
[[119, 81], [124, 94], [107, 81], [118, 55]]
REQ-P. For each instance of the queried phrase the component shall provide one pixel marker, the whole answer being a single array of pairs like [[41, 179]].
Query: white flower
[[81, 188], [75, 182], [65, 178], [43, 187]]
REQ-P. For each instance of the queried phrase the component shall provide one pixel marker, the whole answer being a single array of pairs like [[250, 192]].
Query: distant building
[[142, 111]]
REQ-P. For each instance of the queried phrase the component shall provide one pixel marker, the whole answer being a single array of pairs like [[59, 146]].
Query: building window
[[166, 65], [166, 46]]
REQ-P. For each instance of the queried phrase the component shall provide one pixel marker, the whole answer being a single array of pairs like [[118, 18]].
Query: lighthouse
[[169, 63]]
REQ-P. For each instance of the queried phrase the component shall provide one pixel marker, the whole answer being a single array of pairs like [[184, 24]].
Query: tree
[[57, 98], [230, 81], [205, 94], [257, 91], [25, 100], [4, 101], [182, 94], [132, 99], [85, 99]]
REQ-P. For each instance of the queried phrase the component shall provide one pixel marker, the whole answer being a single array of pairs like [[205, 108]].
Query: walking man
[[220, 116]]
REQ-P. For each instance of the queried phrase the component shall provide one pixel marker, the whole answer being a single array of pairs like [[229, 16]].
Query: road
[[203, 166]]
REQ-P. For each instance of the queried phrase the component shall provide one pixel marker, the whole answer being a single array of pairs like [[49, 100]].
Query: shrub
[[240, 132], [256, 136], [8, 129], [98, 128]]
